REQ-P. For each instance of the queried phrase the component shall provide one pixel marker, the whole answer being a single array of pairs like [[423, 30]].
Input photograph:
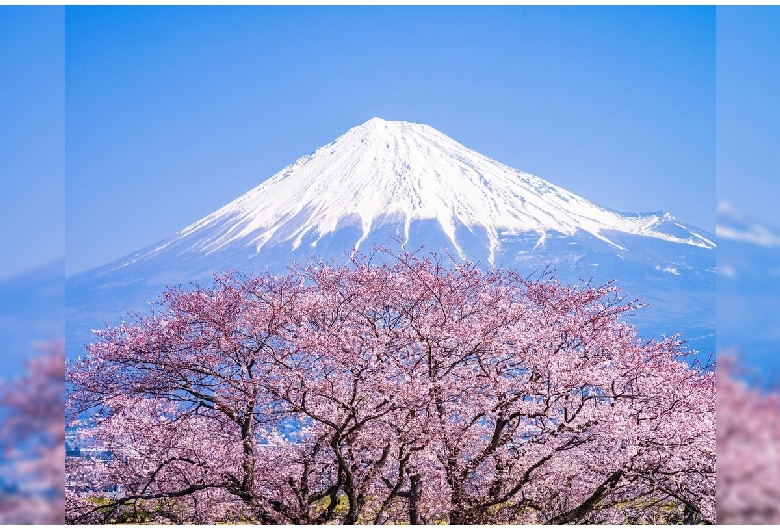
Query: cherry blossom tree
[[413, 390], [748, 455], [32, 437]]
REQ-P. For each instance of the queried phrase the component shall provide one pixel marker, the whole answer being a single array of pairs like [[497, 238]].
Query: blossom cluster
[[410, 390]]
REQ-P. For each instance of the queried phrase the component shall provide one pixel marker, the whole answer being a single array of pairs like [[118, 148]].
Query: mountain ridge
[[397, 182], [383, 172], [748, 286]]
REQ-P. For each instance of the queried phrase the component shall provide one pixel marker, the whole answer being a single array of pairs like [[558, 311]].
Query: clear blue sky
[[32, 137], [748, 110], [173, 112]]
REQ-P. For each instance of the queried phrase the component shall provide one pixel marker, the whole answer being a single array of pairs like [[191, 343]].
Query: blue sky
[[32, 137], [748, 110], [173, 112]]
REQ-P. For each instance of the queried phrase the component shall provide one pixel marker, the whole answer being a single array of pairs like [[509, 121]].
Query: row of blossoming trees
[[411, 391]]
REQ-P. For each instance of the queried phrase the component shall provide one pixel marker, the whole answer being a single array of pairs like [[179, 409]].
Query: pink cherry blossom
[[748, 456], [394, 389], [33, 440]]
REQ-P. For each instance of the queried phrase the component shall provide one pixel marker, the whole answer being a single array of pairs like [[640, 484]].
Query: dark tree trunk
[[574, 515], [415, 490]]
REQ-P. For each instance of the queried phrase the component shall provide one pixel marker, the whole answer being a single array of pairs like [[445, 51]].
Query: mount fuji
[[401, 183]]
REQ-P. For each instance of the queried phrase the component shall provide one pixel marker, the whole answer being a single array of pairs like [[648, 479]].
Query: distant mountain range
[[400, 183], [748, 320], [32, 311]]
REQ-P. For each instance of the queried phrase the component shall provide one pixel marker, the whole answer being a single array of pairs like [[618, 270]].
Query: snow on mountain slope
[[383, 183], [749, 252], [732, 225], [748, 289], [384, 172]]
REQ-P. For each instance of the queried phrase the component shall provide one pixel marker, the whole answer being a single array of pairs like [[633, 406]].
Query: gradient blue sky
[[172, 112], [748, 110], [32, 137]]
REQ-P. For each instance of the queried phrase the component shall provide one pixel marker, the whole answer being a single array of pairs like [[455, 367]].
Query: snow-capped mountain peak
[[383, 181], [384, 172]]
